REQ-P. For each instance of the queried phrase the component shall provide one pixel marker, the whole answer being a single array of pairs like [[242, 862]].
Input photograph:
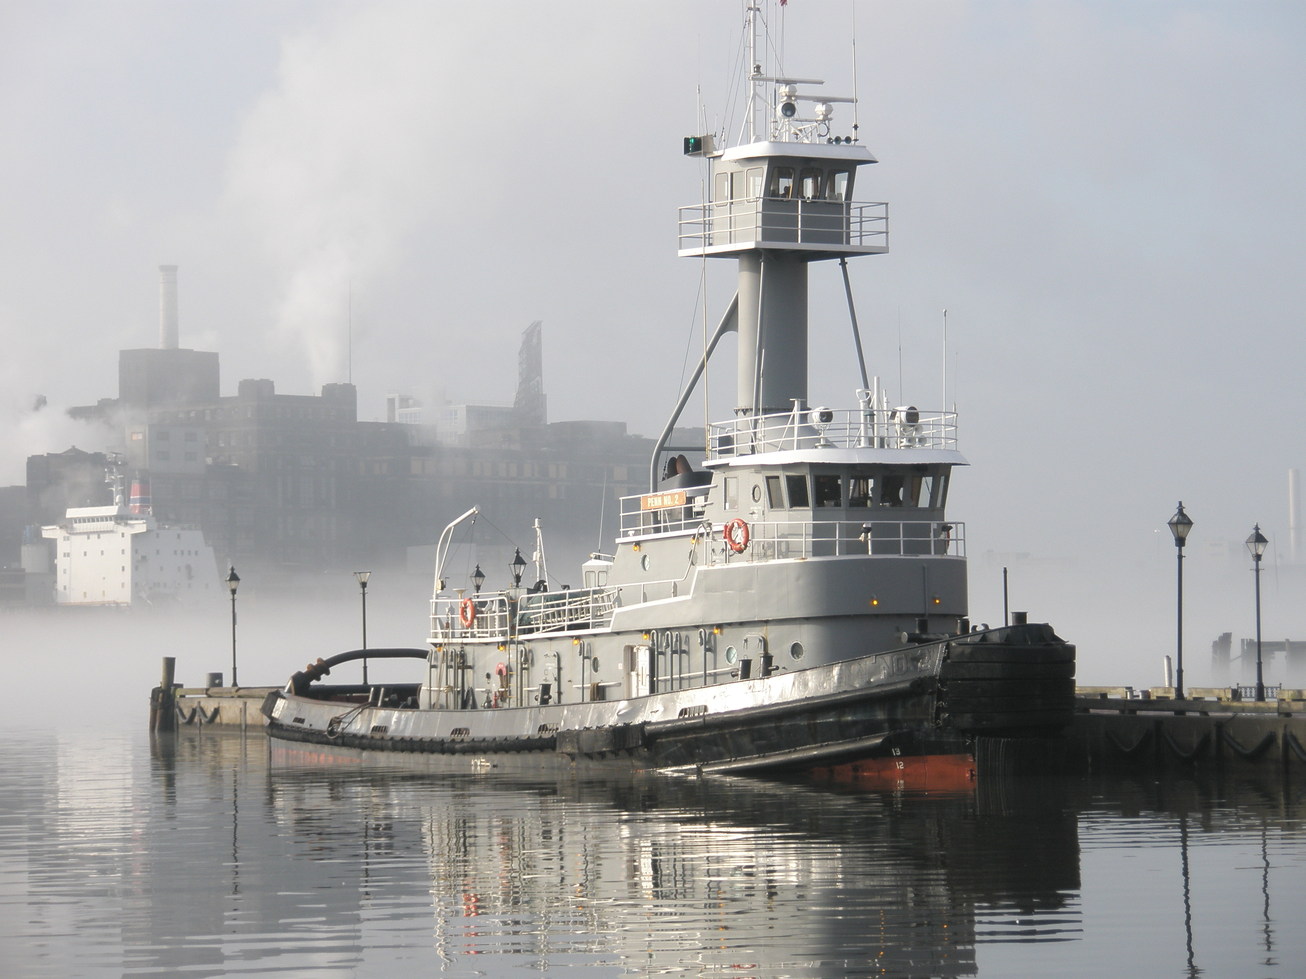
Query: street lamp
[[1257, 543], [518, 567], [362, 577], [478, 579], [233, 582], [1180, 524]]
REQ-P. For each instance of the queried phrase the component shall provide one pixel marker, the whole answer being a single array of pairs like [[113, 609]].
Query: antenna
[[349, 333], [856, 91], [945, 359], [900, 390]]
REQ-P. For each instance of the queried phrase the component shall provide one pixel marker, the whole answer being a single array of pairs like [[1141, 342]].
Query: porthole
[[594, 663], [732, 655], [644, 562], [757, 492], [796, 650]]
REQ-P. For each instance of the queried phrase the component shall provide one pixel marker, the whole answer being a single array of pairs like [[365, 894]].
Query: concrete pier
[[1208, 731], [229, 708]]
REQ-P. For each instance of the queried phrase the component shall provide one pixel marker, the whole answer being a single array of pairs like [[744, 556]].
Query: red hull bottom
[[917, 773]]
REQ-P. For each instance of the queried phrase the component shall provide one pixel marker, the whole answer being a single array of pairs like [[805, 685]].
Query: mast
[[776, 204]]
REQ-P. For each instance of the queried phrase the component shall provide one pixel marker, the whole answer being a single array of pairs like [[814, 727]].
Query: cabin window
[[723, 186], [731, 493], [941, 491], [927, 491], [774, 494], [736, 185], [755, 182], [797, 490], [810, 184], [861, 491], [891, 491], [782, 182], [837, 187], [826, 488]]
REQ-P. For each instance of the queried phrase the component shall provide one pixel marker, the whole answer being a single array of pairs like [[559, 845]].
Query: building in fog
[[291, 482]]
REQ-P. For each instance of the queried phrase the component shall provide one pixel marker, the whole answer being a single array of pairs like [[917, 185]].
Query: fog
[[1104, 196]]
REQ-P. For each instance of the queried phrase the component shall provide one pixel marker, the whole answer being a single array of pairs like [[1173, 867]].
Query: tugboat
[[795, 602]]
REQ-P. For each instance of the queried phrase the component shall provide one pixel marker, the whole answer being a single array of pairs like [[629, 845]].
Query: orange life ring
[[466, 612], [736, 534]]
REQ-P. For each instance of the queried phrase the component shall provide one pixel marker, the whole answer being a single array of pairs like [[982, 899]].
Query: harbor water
[[203, 855]]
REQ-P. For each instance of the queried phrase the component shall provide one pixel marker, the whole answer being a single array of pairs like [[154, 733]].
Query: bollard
[[163, 704]]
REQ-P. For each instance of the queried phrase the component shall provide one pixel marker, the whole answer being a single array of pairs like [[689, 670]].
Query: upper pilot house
[[785, 193]]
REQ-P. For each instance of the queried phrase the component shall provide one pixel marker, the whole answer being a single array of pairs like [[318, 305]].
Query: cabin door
[[549, 677], [639, 671]]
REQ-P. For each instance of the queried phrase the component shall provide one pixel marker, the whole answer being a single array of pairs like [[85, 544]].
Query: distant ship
[[121, 555], [795, 601]]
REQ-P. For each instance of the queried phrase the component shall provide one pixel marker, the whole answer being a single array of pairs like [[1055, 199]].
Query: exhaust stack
[[168, 329]]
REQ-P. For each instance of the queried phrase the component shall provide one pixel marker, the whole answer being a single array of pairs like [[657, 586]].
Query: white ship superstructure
[[120, 555]]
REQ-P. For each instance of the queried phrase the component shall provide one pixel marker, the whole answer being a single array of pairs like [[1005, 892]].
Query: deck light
[[517, 567], [478, 579], [1180, 524], [1256, 544]]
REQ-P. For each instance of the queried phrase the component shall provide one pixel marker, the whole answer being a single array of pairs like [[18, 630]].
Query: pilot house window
[[782, 182], [827, 490], [797, 485]]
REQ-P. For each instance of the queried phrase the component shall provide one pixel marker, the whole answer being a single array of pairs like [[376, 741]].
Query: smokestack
[[168, 331], [1294, 513]]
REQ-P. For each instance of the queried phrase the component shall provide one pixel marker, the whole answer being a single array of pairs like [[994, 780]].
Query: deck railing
[[499, 616], [841, 226], [885, 428], [771, 540]]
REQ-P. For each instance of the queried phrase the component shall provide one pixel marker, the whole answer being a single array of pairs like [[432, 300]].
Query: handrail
[[843, 428], [761, 220], [771, 540]]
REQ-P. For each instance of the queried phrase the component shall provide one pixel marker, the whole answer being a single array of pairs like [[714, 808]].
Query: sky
[[1106, 197]]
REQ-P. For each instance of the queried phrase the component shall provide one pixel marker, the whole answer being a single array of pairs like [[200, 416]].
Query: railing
[[891, 428], [635, 520], [775, 540], [839, 225], [498, 616]]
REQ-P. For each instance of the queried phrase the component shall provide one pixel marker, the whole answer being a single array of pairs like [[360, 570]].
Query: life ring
[[736, 534], [501, 670], [467, 612]]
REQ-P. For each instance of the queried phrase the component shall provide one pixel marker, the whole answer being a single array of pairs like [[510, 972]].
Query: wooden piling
[[163, 705]]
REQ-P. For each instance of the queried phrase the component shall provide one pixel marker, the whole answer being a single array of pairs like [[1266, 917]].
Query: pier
[[174, 707], [1119, 729]]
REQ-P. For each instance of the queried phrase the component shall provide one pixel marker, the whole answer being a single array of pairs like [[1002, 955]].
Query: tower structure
[[777, 203]]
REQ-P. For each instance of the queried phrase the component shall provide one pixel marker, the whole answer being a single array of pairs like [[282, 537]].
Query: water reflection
[[198, 855]]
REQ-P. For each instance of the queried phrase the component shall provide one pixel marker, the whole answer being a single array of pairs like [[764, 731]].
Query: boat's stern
[[1014, 681]]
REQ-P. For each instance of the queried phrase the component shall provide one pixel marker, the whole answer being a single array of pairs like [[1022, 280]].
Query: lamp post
[[362, 577], [478, 579], [1180, 524], [1257, 543], [517, 567], [233, 582]]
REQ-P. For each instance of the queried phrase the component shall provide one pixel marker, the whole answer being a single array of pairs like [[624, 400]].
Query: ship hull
[[904, 716]]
